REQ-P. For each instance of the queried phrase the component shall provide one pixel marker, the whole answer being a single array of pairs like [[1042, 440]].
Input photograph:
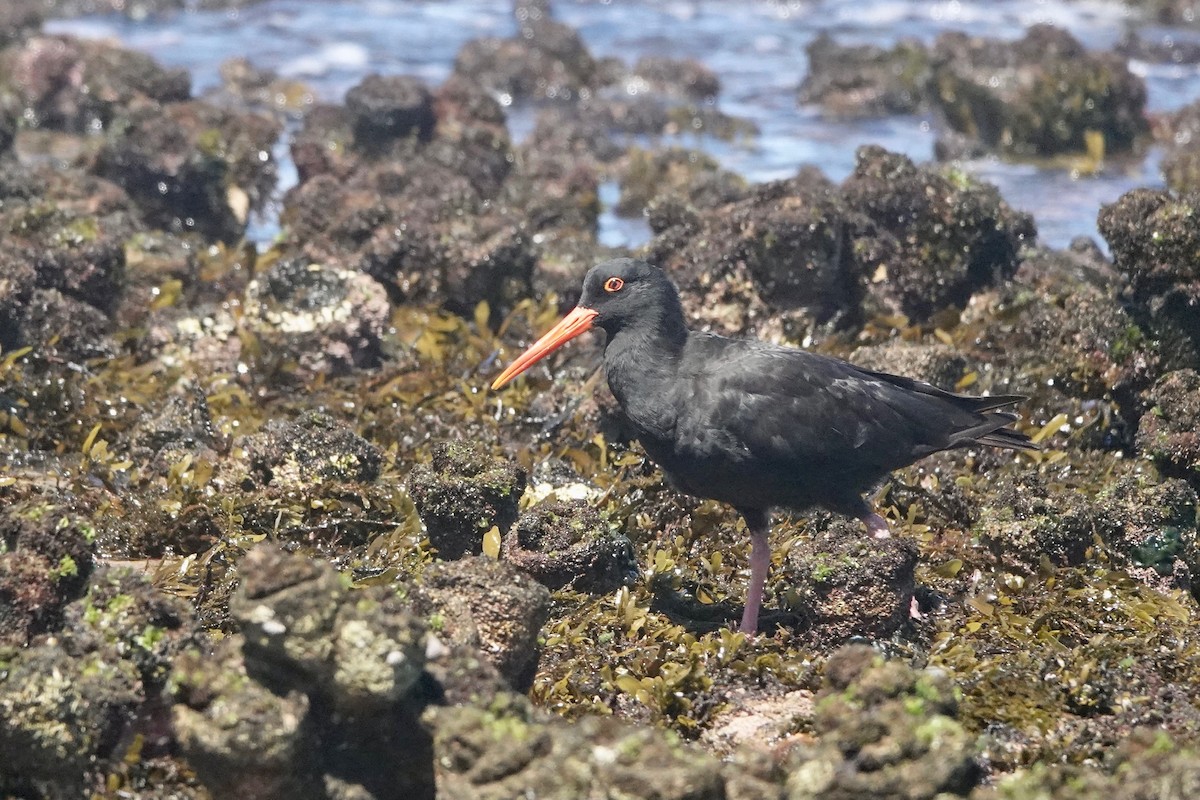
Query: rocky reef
[[265, 532]]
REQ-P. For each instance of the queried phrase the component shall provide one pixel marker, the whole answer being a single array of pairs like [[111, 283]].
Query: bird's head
[[616, 294]]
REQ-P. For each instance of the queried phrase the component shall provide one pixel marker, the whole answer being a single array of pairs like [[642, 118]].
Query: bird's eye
[[613, 284]]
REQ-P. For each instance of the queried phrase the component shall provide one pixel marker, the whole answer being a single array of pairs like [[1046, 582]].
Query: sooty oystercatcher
[[756, 425]]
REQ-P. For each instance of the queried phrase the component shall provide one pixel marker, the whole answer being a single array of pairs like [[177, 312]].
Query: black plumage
[[757, 425]]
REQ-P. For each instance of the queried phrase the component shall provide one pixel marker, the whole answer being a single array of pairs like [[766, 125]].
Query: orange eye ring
[[613, 284]]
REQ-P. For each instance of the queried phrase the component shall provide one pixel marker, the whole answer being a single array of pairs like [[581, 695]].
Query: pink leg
[[876, 525], [760, 562]]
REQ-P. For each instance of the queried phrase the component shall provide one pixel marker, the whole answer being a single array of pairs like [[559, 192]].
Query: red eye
[[613, 284]]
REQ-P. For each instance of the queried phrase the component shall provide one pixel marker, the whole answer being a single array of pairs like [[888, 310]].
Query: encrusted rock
[[386, 108], [969, 236], [1170, 431], [850, 584], [883, 730], [489, 605], [314, 447], [322, 320], [462, 493], [1154, 238], [327, 684], [567, 544], [865, 80], [1040, 95]]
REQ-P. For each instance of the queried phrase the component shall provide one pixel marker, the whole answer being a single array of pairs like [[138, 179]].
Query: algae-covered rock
[[850, 584], [505, 750], [565, 544], [489, 605], [883, 730], [462, 493], [306, 319], [1043, 94], [1155, 241], [865, 80], [1170, 431], [314, 447], [321, 695]]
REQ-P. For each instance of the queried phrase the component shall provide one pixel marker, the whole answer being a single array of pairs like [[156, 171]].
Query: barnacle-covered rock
[[1154, 239], [306, 319], [506, 750], [327, 683], [462, 493], [1170, 431], [489, 605], [850, 584], [567, 544], [314, 447], [1041, 95], [883, 730]]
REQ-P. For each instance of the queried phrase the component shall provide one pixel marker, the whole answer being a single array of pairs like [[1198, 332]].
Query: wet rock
[[1041, 95], [1156, 523], [883, 730], [183, 426], [8, 125], [321, 696], [1027, 522], [77, 254], [462, 493], [1170, 431], [684, 175], [73, 703], [785, 247], [505, 750], [194, 167], [387, 108], [18, 19], [936, 235], [939, 364], [849, 584], [399, 225], [81, 86], [546, 60], [313, 448], [242, 738], [865, 80], [684, 78], [309, 319], [45, 562], [567, 544], [63, 715], [488, 605], [1154, 238], [48, 318]]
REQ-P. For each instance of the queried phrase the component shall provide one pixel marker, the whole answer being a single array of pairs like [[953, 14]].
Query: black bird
[[757, 425]]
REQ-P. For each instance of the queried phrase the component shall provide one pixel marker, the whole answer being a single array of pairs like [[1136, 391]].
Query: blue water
[[757, 49]]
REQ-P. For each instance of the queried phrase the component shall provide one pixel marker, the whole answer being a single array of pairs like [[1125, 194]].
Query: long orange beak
[[570, 326]]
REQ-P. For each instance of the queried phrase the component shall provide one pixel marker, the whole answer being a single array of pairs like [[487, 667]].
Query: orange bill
[[570, 326]]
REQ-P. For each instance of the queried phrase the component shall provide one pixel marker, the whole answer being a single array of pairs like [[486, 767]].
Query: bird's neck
[[642, 362]]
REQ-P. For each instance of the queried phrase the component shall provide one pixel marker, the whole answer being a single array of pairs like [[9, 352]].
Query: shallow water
[[757, 49]]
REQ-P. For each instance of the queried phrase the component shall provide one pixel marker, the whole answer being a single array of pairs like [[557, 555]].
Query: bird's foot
[[914, 609], [877, 526]]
